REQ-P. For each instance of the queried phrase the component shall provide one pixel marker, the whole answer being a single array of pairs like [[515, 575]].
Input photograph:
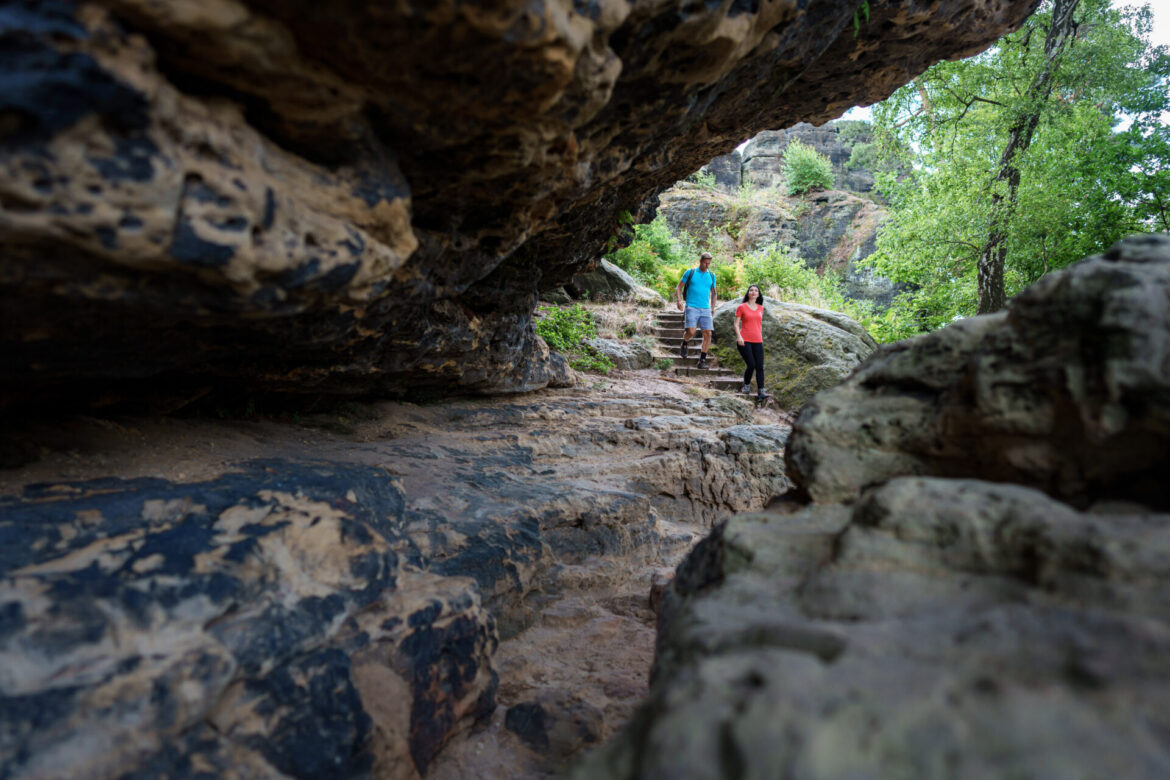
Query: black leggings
[[752, 354]]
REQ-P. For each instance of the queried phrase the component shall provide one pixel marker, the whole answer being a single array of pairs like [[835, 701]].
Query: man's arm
[[678, 293], [713, 299]]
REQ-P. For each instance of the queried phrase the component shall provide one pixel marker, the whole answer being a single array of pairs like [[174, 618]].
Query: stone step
[[711, 373], [728, 384], [671, 342], [687, 361], [668, 332], [666, 321]]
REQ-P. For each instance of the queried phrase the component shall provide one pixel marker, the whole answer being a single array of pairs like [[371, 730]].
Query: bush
[[652, 246], [565, 329], [864, 156], [772, 267], [805, 168]]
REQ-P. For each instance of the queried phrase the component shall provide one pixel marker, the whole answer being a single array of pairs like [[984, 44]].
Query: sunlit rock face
[[361, 197]]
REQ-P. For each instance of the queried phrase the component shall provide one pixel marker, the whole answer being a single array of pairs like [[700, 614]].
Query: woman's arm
[[738, 335]]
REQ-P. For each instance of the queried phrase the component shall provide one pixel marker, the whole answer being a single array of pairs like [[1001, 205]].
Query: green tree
[[805, 168], [1019, 161]]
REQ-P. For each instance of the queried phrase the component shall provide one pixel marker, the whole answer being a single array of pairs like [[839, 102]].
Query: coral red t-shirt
[[751, 324]]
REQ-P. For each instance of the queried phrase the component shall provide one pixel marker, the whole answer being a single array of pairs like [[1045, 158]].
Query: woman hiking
[[749, 339]]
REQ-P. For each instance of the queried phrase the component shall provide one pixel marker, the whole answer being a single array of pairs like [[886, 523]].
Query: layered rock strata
[[951, 623], [382, 579], [363, 197]]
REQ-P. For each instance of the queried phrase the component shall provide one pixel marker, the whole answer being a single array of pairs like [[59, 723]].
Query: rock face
[[628, 356], [609, 283], [939, 628], [805, 349], [946, 624], [1066, 391], [829, 231], [367, 197], [342, 607], [763, 156]]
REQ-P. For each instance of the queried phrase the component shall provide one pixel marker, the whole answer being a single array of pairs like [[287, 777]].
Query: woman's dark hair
[[759, 294]]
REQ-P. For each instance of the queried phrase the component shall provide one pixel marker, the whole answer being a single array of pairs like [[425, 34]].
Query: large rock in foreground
[[935, 626], [366, 197], [940, 628], [806, 350], [1067, 391]]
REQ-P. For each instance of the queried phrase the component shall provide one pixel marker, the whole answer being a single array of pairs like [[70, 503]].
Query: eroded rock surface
[[366, 197], [1067, 391], [352, 602], [938, 628], [949, 624]]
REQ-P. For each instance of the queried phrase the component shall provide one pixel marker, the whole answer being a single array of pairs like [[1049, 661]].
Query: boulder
[[1067, 391], [626, 355], [608, 283], [806, 350], [367, 198], [938, 627]]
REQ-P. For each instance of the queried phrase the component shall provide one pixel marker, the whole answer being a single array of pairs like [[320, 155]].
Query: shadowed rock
[[366, 197]]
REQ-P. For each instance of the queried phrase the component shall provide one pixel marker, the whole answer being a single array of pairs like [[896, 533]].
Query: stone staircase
[[669, 332]]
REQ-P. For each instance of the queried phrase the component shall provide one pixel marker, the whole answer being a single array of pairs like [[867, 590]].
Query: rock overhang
[[358, 198]]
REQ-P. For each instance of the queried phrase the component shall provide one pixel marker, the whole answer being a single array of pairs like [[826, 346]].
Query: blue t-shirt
[[699, 291]]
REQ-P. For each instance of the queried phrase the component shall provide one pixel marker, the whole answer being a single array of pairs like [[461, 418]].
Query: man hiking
[[699, 286]]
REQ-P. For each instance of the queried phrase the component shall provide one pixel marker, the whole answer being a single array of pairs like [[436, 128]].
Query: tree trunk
[[1006, 185]]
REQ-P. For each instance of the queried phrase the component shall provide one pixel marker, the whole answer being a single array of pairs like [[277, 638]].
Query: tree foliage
[[805, 168], [1094, 170]]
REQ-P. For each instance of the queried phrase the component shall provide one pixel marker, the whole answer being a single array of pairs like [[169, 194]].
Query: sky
[[1159, 36]]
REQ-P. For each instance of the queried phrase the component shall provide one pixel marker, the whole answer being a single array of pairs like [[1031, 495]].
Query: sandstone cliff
[[366, 197]]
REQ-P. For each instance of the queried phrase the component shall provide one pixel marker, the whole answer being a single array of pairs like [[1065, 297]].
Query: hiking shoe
[[702, 363], [683, 349], [746, 389], [762, 395]]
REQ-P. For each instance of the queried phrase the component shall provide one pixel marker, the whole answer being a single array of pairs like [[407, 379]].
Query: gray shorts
[[697, 318]]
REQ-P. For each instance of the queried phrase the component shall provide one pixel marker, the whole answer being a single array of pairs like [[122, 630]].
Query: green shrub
[[727, 281], [663, 364], [805, 168], [667, 279], [862, 156], [587, 358], [565, 329], [772, 267], [652, 246]]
